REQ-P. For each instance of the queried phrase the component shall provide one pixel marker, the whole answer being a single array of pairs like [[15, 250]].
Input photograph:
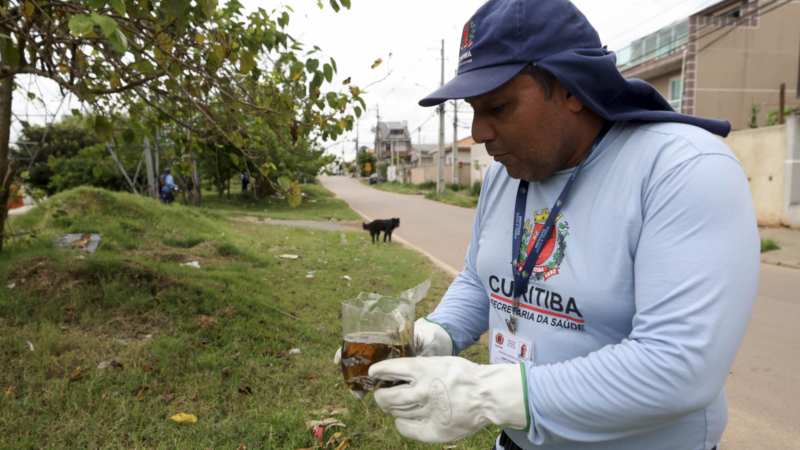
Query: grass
[[217, 338], [452, 195], [323, 205], [768, 245]]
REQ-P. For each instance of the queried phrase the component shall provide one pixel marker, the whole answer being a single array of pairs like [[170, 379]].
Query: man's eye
[[497, 109]]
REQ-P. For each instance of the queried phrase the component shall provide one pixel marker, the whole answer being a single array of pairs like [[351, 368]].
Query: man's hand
[[449, 398]]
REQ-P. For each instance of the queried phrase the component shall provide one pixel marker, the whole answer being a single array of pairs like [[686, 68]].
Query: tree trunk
[[220, 192], [6, 87], [229, 190]]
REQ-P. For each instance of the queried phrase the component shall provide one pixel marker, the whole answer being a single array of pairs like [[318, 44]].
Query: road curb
[[436, 261]]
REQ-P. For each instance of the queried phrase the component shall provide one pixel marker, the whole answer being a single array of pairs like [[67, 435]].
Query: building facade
[[725, 62], [392, 137]]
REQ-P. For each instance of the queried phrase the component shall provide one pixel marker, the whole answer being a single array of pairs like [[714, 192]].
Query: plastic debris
[[289, 256], [344, 239], [121, 341], [12, 285], [30, 345], [294, 351], [184, 418], [346, 277], [194, 264], [84, 242], [103, 365]]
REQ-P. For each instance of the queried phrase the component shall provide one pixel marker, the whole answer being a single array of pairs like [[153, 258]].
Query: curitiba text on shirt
[[537, 304]]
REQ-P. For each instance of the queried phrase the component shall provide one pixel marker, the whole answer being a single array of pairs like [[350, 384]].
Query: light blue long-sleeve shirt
[[169, 184], [641, 301]]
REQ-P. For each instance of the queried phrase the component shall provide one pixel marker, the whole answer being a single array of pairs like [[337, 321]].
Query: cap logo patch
[[467, 35]]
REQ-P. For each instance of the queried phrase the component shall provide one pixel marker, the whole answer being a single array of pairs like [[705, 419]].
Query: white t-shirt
[[639, 304]]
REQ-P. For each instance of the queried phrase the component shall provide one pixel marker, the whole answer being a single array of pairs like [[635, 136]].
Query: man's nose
[[482, 131]]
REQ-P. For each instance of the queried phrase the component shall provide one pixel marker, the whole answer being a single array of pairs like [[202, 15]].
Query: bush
[[428, 185], [475, 190], [768, 244]]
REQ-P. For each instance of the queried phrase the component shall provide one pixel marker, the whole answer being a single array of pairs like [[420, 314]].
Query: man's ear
[[573, 104]]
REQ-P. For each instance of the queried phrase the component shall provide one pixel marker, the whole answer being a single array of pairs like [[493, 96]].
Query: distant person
[[190, 187], [167, 187], [245, 181]]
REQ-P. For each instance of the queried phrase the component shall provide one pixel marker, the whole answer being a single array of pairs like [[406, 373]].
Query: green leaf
[[335, 5], [358, 111], [234, 158], [312, 65], [328, 72], [9, 54], [333, 63], [294, 200], [119, 41], [97, 171], [238, 140], [80, 24], [106, 23], [51, 161], [31, 95], [119, 7], [247, 62], [25, 175], [319, 3], [103, 128], [345, 3], [129, 136], [284, 183], [76, 112], [96, 4]]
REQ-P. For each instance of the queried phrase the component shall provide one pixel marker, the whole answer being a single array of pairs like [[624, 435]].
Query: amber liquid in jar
[[362, 350]]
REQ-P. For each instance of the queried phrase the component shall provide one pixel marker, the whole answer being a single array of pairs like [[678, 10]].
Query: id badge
[[507, 348]]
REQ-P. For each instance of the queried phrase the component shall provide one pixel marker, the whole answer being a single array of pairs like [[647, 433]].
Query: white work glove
[[430, 339], [449, 398]]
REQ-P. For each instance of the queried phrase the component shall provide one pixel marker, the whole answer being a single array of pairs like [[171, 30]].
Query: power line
[[646, 56], [786, 2]]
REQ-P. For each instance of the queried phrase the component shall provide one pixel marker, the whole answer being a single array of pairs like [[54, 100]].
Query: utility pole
[[440, 187], [782, 105], [148, 159], [358, 167], [456, 179]]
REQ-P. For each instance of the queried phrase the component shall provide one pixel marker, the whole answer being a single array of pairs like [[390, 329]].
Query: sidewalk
[[789, 242]]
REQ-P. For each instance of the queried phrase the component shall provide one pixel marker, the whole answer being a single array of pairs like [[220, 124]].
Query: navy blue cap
[[504, 36]]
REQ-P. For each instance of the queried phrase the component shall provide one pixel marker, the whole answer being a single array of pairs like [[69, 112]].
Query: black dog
[[376, 226]]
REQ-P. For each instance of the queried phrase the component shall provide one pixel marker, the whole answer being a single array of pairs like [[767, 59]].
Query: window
[[675, 92], [388, 147], [734, 11], [396, 132]]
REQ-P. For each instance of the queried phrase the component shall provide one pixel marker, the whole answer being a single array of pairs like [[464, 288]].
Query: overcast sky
[[412, 31]]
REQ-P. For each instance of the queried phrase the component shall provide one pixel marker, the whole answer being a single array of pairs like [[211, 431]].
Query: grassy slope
[[461, 198], [74, 308]]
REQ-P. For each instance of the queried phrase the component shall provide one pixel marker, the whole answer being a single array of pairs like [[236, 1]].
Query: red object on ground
[[16, 199]]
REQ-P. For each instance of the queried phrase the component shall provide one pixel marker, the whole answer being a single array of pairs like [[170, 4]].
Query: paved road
[[764, 386]]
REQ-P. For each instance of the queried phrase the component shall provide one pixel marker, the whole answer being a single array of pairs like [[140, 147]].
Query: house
[[421, 154], [429, 171], [392, 137], [723, 61]]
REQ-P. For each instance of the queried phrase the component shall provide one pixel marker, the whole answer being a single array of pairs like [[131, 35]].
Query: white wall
[[478, 151]]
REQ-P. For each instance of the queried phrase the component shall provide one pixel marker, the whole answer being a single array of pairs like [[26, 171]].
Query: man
[[634, 255], [167, 186]]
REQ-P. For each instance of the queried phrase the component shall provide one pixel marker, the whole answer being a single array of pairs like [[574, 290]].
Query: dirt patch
[[344, 225], [204, 253], [58, 281]]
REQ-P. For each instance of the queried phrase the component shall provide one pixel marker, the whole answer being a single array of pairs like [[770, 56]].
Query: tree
[[63, 140], [186, 64]]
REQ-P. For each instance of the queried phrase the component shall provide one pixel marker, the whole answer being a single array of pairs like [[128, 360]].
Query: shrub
[[768, 244], [428, 185], [475, 190]]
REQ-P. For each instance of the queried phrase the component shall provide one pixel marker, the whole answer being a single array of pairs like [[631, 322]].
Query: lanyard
[[522, 276]]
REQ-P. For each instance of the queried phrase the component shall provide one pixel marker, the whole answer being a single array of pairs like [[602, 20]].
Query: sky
[[412, 32]]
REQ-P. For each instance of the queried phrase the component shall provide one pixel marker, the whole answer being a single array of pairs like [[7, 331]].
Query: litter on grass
[[84, 242], [12, 285], [346, 277], [294, 351], [194, 264], [289, 256], [30, 345], [184, 418]]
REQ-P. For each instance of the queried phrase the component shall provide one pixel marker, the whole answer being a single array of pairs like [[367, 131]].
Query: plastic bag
[[376, 328]]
